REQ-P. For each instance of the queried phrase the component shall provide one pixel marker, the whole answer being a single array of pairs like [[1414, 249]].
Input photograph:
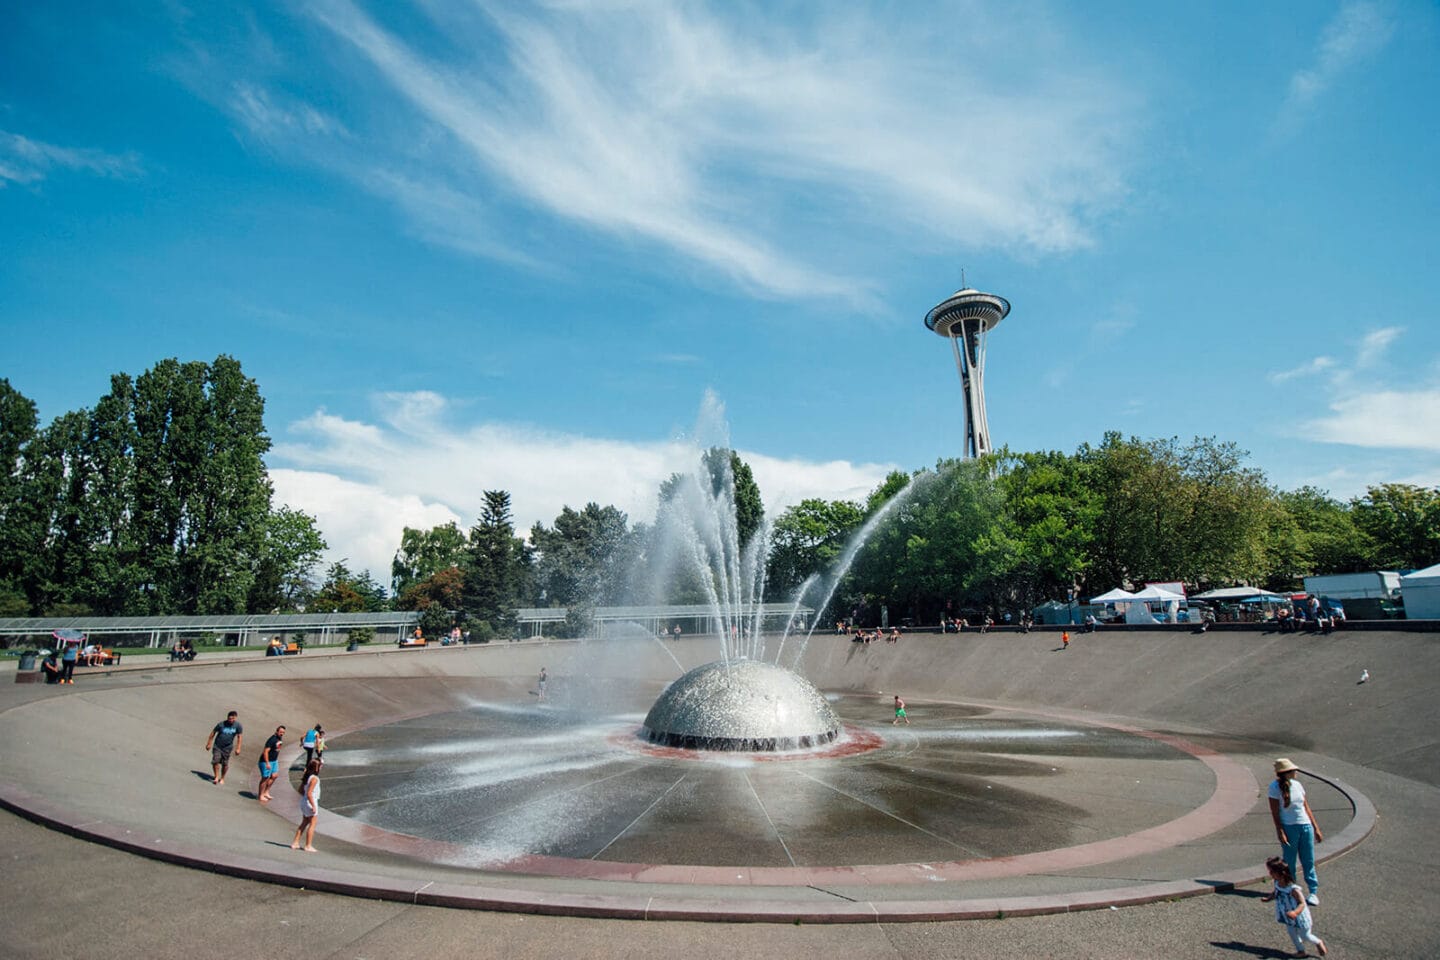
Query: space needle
[[965, 318]]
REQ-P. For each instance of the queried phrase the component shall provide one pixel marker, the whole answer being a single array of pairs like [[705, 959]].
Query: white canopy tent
[[1421, 593], [1139, 608], [1114, 596]]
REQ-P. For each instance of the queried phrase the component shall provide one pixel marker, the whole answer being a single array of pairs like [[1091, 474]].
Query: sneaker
[[1313, 899]]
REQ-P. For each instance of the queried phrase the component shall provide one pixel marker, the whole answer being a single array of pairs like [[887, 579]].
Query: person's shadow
[[205, 775], [1251, 949]]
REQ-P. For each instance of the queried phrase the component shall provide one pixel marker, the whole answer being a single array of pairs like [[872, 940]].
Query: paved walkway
[[190, 912]]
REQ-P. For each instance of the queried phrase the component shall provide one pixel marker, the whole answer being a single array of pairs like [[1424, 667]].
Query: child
[[1290, 907], [899, 712], [1064, 639]]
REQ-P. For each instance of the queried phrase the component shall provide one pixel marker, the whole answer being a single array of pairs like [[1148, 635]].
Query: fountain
[[748, 705], [738, 762]]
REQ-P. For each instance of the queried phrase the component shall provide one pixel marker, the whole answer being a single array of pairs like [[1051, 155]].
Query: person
[[1025, 622], [540, 683], [1295, 825], [313, 742], [275, 649], [91, 653], [227, 736], [1089, 623], [309, 805], [900, 712], [677, 631], [1064, 639], [67, 662], [51, 668], [270, 763], [1290, 908], [894, 634]]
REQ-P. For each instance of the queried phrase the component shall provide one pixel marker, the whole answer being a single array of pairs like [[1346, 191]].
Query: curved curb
[[641, 906]]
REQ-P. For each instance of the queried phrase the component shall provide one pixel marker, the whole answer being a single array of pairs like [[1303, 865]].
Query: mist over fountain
[[739, 702]]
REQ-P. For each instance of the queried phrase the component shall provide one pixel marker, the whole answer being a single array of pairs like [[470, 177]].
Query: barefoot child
[[900, 712], [1290, 907], [1064, 639]]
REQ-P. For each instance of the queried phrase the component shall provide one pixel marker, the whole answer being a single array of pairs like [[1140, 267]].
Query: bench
[[105, 658], [287, 650], [413, 643]]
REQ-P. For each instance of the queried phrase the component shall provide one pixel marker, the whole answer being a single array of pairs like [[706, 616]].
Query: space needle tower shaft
[[965, 319]]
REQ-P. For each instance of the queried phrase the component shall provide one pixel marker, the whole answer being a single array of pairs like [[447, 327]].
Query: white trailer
[[1376, 584]]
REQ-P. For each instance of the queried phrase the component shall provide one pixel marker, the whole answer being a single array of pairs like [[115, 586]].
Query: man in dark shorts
[[225, 738], [270, 764]]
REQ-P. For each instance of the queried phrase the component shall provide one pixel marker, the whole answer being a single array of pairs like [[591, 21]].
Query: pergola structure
[[693, 618], [164, 631]]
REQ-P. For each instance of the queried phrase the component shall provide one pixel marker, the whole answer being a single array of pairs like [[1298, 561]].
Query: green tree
[[1403, 522], [730, 479], [283, 569], [586, 557], [20, 532], [345, 591], [807, 538], [1316, 534], [1040, 547], [496, 564], [424, 553]]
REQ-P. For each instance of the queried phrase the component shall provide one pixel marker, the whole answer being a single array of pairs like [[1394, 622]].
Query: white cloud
[[1386, 418], [23, 160], [366, 481], [774, 154], [361, 522], [1358, 31], [1314, 366], [1374, 345]]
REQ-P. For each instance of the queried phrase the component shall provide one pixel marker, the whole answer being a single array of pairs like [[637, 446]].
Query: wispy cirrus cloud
[[27, 161], [1314, 366], [1359, 30], [773, 153], [1374, 344], [411, 466]]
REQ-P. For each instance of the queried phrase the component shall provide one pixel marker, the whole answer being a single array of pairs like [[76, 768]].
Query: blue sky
[[465, 245]]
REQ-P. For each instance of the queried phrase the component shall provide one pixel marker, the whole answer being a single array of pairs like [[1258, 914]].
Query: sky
[[465, 246]]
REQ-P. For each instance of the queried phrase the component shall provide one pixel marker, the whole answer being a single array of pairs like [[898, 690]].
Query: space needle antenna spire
[[965, 319]]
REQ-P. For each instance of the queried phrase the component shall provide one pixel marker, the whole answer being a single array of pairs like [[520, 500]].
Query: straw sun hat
[[1283, 764]]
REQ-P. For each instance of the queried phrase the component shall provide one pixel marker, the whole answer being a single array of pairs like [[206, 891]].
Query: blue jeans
[[1301, 842]]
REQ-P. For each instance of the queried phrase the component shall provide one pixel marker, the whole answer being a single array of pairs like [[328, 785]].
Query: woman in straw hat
[[1295, 825]]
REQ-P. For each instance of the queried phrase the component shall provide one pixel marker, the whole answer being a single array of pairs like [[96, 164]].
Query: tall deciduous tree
[[424, 553], [808, 538], [289, 551], [1403, 522], [587, 557]]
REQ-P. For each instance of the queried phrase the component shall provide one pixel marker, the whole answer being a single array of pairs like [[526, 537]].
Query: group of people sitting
[[869, 636], [182, 651]]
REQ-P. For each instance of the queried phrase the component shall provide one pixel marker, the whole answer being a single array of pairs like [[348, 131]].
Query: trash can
[[352, 646], [27, 659]]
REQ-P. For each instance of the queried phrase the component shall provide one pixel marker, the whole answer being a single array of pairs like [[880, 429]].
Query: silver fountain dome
[[741, 705]]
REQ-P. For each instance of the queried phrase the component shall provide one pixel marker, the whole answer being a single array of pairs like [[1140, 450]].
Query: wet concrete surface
[[515, 777]]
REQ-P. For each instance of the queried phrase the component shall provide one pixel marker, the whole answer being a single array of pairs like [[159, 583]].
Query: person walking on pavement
[[1295, 825], [68, 656], [225, 738], [309, 806]]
